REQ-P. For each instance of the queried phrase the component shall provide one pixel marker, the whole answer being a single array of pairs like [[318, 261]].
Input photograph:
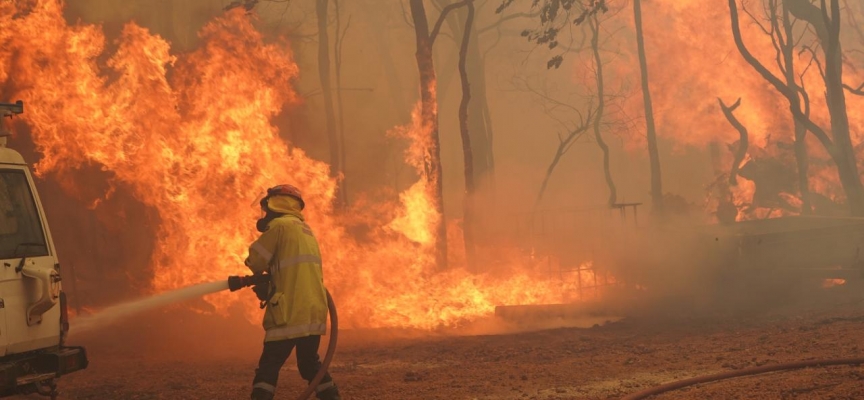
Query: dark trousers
[[274, 355]]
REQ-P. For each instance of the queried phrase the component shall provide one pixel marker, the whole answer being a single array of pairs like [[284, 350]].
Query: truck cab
[[33, 318]]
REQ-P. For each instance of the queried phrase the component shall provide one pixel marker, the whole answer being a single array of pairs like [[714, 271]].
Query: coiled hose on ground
[[668, 387], [331, 349]]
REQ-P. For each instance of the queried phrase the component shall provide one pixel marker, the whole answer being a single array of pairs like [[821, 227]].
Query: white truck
[[33, 318]]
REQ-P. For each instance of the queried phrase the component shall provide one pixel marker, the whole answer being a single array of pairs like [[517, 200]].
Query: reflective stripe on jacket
[[289, 252]]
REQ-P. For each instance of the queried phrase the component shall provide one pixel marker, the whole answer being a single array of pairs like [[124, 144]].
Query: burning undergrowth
[[190, 136], [694, 65]]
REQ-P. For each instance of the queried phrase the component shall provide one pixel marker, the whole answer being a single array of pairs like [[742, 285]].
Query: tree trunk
[[801, 157], [490, 133], [480, 126], [468, 217], [653, 152], [324, 74], [840, 147], [594, 23], [337, 54], [743, 139], [429, 117], [827, 26], [836, 98]]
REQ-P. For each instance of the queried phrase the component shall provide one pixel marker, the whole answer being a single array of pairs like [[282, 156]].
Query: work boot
[[261, 394], [329, 393]]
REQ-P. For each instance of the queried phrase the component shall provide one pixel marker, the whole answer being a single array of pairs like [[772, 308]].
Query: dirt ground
[[181, 355]]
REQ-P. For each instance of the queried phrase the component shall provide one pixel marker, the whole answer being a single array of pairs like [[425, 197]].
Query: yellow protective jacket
[[289, 252]]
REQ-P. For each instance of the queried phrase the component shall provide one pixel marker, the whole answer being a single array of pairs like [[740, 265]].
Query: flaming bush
[[197, 146]]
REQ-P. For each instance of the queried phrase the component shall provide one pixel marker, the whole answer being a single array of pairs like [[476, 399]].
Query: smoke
[[380, 85]]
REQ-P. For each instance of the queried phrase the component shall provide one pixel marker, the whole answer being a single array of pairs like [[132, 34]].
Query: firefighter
[[296, 302]]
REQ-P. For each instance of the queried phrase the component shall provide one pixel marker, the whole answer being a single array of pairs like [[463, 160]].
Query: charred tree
[[337, 54], [827, 29], [594, 23], [429, 115], [839, 147], [786, 45], [480, 125], [468, 217], [326, 89], [783, 40], [743, 139], [651, 133]]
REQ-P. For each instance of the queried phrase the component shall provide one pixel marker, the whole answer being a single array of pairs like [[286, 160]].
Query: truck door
[[25, 247]]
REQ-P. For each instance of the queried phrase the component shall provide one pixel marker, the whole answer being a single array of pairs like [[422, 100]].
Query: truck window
[[21, 232]]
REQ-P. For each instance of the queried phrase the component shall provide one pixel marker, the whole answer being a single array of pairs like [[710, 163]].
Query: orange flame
[[829, 283], [693, 61], [198, 147]]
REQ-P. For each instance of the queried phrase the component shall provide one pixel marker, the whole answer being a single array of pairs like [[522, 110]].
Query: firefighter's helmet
[[284, 190]]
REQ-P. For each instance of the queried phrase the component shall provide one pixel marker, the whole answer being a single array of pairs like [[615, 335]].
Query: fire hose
[[668, 387], [237, 282]]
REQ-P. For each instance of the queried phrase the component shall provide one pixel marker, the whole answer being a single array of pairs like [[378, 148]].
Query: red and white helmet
[[285, 190]]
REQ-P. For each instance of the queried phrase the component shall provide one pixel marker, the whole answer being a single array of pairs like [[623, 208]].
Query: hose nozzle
[[236, 283]]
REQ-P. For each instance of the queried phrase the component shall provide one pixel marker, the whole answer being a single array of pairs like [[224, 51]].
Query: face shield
[[258, 211]]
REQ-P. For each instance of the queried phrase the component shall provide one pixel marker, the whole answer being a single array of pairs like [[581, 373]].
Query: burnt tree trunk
[[840, 146], [836, 98], [743, 141], [481, 123], [594, 23], [468, 219], [787, 46], [337, 54], [429, 117], [326, 90], [480, 126], [651, 133], [826, 22]]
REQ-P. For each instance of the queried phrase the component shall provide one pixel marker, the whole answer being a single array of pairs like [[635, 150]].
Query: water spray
[[113, 314], [121, 311], [258, 282]]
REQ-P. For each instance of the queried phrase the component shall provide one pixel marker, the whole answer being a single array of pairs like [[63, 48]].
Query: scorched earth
[[180, 355]]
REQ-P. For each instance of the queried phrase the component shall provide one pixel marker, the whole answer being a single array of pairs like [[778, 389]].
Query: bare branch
[[777, 38], [563, 147], [814, 58], [405, 15], [859, 91], [806, 68], [774, 81], [550, 99], [794, 21], [247, 4], [756, 21], [495, 43], [443, 16], [502, 20], [853, 22], [805, 97], [743, 142]]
